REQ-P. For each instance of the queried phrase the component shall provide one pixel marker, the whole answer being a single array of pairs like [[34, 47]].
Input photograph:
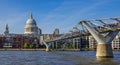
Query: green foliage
[[25, 45], [56, 46], [30, 45], [87, 46], [73, 46]]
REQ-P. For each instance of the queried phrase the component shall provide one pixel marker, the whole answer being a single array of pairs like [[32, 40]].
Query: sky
[[51, 14]]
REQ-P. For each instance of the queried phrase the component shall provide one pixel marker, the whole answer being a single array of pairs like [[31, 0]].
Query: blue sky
[[51, 14]]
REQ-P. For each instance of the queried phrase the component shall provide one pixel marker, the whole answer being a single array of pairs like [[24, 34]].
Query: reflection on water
[[54, 58], [106, 61]]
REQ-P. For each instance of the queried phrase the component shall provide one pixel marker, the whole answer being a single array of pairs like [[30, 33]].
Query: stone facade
[[16, 40]]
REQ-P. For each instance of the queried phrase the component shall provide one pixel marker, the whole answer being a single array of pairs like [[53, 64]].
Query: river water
[[54, 58]]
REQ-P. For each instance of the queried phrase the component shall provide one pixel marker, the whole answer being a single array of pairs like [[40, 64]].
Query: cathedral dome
[[31, 21], [31, 26]]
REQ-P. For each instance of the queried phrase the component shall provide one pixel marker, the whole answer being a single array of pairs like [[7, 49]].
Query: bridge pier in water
[[47, 46], [104, 49], [47, 49]]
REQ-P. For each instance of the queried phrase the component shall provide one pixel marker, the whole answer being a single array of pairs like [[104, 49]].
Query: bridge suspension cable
[[100, 21], [115, 19], [83, 31]]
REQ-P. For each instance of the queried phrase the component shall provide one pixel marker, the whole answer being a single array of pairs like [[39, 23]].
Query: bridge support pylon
[[104, 49], [47, 46], [47, 49]]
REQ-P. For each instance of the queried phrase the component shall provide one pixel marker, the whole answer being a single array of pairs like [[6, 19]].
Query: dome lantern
[[31, 17]]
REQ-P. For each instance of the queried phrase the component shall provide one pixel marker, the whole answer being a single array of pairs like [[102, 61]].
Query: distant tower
[[74, 29], [56, 32], [39, 31], [31, 26], [6, 30]]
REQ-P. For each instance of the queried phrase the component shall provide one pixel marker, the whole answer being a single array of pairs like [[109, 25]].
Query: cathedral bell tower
[[6, 30]]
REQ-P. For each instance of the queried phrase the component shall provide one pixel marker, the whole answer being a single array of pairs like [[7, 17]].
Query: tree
[[25, 45], [31, 46], [87, 46], [56, 46]]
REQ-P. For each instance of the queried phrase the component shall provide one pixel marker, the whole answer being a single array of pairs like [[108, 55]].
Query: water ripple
[[53, 58]]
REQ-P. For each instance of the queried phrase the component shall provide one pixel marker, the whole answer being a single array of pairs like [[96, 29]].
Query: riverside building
[[115, 43], [31, 36]]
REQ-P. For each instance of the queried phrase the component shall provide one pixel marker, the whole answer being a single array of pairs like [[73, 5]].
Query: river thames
[[54, 58]]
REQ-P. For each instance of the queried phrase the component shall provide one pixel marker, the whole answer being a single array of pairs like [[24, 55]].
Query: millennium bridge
[[103, 31]]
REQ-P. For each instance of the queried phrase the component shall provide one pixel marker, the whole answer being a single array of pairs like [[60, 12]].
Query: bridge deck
[[101, 29]]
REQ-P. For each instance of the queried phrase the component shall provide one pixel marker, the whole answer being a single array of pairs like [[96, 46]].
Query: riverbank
[[11, 49], [66, 50], [15, 49], [38, 49]]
